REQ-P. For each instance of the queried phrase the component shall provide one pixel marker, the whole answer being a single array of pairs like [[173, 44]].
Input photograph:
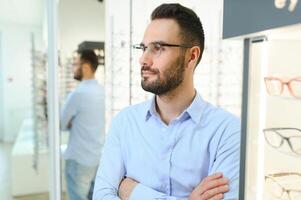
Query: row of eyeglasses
[[284, 139]]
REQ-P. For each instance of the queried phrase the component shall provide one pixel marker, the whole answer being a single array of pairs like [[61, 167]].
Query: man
[[83, 116], [175, 146]]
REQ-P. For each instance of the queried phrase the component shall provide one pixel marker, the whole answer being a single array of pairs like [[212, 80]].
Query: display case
[[272, 151], [271, 106]]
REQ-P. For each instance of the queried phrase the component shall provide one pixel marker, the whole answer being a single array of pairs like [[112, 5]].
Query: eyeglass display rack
[[272, 150], [66, 80], [271, 109], [39, 91]]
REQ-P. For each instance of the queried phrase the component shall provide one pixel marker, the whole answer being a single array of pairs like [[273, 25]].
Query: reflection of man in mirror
[[281, 4], [83, 116], [176, 146]]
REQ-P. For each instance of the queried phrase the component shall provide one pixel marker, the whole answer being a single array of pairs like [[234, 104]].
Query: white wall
[[17, 74], [21, 12], [79, 20], [18, 19]]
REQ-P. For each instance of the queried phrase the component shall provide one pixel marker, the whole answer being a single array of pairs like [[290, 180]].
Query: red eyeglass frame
[[283, 82]]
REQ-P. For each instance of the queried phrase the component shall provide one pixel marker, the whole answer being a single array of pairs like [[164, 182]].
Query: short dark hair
[[88, 56], [191, 27]]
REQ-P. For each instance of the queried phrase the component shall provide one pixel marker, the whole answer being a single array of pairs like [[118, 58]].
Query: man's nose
[[146, 58]]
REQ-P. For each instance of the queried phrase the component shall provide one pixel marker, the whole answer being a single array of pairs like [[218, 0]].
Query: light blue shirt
[[84, 108], [169, 161]]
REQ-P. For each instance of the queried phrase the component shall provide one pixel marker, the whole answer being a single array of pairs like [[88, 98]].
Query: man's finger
[[215, 192], [209, 185], [213, 176], [217, 197]]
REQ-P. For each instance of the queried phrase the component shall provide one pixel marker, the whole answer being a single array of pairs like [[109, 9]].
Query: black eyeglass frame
[[160, 45], [287, 139]]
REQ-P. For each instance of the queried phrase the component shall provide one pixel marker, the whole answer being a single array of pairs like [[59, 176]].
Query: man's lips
[[147, 73]]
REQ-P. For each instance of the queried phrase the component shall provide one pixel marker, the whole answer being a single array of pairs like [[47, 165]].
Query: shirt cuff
[[146, 193]]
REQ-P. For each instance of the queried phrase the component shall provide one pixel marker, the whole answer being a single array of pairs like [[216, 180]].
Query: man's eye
[[157, 47]]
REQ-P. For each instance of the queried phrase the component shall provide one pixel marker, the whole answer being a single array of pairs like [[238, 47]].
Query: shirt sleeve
[[69, 111], [111, 169], [143, 192], [228, 157]]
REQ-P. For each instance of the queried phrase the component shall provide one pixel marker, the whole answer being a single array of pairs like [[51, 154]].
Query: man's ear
[[194, 54]]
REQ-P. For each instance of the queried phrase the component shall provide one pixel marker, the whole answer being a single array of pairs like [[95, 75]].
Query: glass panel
[[23, 105], [81, 96]]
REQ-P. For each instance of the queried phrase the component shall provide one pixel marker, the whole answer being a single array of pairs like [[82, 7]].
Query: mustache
[[148, 68]]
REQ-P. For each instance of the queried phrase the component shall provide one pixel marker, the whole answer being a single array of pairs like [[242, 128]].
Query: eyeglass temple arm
[[280, 174], [281, 128]]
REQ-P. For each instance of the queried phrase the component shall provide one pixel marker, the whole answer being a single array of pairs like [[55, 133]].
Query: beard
[[78, 75], [170, 79]]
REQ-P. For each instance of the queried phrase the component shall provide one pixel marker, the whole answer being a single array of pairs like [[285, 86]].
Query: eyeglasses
[[278, 191], [275, 86], [155, 48], [275, 138]]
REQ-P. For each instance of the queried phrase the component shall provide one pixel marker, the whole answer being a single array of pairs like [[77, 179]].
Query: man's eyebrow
[[154, 42], [160, 42]]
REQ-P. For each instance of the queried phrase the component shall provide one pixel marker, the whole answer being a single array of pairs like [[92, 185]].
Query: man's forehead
[[164, 30]]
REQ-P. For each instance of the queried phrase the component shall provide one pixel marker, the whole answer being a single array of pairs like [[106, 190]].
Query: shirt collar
[[88, 81], [195, 109], [151, 108]]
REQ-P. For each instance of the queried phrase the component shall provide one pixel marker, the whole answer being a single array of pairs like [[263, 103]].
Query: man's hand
[[69, 125], [212, 187], [126, 188]]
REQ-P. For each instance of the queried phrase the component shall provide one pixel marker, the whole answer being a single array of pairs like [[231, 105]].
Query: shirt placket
[[168, 141]]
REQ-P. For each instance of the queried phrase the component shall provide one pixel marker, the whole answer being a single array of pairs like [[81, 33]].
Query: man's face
[[161, 74], [77, 68]]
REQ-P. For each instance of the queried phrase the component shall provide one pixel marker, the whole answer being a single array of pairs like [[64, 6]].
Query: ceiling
[[21, 11]]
